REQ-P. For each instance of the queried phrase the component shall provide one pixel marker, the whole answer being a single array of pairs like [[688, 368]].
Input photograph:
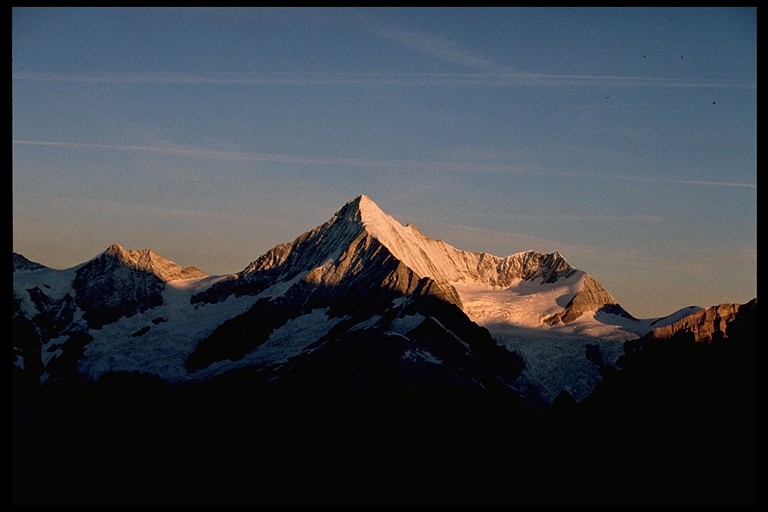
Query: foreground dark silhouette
[[676, 425]]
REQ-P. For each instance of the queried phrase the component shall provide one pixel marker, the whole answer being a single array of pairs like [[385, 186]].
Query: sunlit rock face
[[704, 325], [592, 297]]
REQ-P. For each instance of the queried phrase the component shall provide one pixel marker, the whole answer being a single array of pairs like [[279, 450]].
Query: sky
[[623, 138]]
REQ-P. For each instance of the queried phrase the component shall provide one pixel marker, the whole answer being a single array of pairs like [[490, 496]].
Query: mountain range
[[359, 316]]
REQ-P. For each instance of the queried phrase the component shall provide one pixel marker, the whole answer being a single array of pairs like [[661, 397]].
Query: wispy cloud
[[195, 79], [655, 179], [195, 152], [498, 78], [429, 44], [168, 150], [386, 164], [704, 183], [210, 240]]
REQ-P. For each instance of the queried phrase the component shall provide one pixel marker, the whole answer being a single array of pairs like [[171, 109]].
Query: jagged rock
[[704, 325], [592, 297]]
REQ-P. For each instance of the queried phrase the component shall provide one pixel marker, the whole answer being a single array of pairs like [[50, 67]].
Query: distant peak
[[149, 261], [114, 249]]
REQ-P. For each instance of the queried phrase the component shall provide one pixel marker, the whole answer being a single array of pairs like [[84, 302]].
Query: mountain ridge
[[361, 270], [446, 265], [705, 325]]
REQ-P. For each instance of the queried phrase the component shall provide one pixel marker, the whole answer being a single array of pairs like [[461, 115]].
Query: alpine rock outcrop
[[705, 325]]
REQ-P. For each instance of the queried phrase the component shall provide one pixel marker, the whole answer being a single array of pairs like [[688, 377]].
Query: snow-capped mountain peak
[[361, 273], [443, 262], [528, 289]]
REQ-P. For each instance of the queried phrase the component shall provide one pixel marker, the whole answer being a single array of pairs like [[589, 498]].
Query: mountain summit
[[528, 289]]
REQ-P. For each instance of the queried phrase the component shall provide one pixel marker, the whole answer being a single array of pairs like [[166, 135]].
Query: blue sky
[[624, 138]]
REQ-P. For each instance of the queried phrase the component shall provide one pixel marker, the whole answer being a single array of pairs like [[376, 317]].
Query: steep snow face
[[361, 218], [446, 264]]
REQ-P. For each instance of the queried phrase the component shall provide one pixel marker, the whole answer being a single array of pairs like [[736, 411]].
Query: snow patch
[[164, 348], [420, 355], [286, 342], [405, 324], [280, 287], [54, 283]]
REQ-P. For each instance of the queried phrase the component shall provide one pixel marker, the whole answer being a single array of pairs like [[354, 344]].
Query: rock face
[[716, 332], [705, 325], [592, 297]]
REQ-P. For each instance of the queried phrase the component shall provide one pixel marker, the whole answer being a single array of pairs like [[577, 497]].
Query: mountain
[[361, 273], [333, 255], [361, 359], [121, 283], [524, 295]]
